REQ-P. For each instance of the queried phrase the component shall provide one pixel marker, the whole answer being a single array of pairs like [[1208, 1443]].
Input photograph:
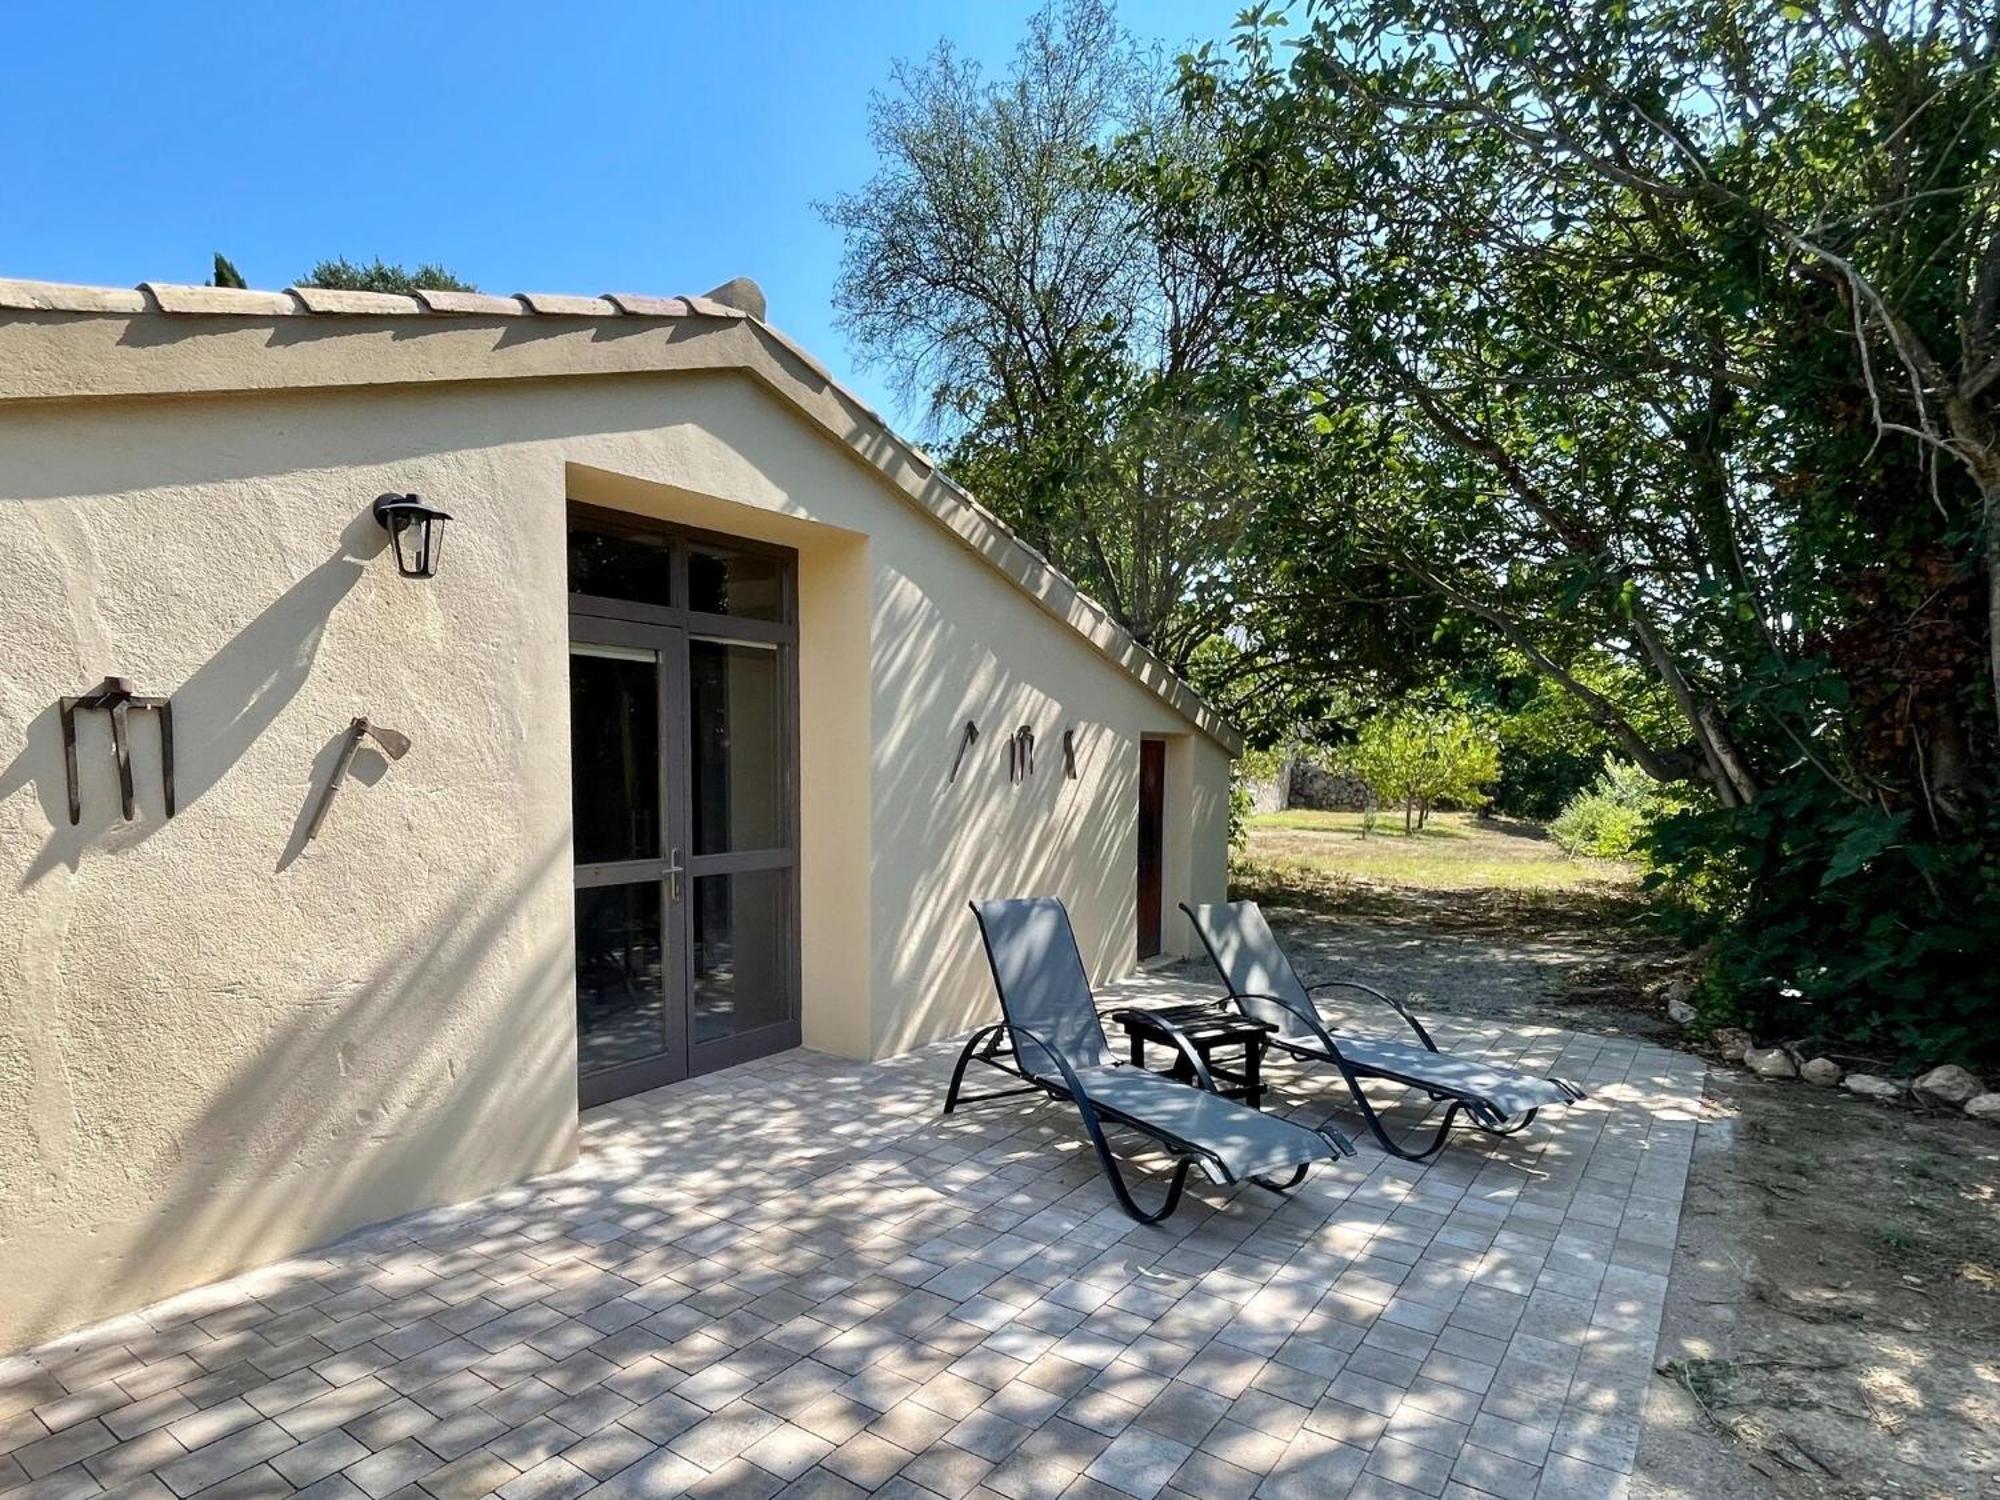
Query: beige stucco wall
[[219, 1045]]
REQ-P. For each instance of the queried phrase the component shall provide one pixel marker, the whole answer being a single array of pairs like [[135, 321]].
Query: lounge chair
[[1052, 1039], [1265, 986]]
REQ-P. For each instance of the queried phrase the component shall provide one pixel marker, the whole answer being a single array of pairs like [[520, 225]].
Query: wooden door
[[1152, 820]]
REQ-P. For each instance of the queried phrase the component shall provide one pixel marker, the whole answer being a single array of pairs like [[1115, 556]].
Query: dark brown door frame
[[1152, 844], [664, 873], [606, 621]]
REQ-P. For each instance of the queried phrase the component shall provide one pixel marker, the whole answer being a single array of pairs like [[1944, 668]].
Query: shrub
[[1610, 818]]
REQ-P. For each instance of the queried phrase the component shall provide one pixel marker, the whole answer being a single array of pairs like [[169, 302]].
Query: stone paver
[[835, 1291]]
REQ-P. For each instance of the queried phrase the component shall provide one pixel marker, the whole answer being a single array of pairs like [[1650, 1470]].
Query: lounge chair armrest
[[1307, 1017], [1181, 1040], [1394, 1004], [1016, 1034], [1074, 1086]]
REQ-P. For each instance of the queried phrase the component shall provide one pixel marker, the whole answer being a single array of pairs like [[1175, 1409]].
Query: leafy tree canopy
[[379, 275]]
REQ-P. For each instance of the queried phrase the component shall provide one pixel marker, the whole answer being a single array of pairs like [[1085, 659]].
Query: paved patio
[[796, 1278]]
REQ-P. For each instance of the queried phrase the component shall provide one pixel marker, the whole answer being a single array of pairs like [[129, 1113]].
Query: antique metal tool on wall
[[115, 697], [967, 739], [1021, 754], [394, 744]]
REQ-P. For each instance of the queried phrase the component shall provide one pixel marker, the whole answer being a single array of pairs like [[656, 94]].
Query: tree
[[1666, 333], [382, 276], [226, 274], [1421, 757], [1062, 315]]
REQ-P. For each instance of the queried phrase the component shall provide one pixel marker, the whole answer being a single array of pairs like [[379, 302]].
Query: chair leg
[[1095, 1130], [1124, 1194], [1510, 1129], [989, 1034], [1298, 1176], [1395, 1148]]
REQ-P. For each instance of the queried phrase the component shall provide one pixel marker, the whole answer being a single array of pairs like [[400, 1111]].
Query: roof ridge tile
[[172, 297], [62, 296], [567, 305], [644, 305], [332, 299], [479, 304]]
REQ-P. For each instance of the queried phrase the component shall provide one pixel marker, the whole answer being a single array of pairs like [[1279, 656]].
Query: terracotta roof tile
[[708, 307], [482, 304], [224, 300], [562, 305], [327, 299], [56, 296], [638, 305]]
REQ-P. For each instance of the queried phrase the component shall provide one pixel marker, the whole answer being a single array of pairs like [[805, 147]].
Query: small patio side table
[[1207, 1027]]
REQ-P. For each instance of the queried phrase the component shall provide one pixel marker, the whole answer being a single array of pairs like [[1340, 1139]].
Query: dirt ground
[[1833, 1324]]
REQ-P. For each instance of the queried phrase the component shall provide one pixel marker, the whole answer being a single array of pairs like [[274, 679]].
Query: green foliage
[[226, 274], [1659, 342], [1550, 748], [1610, 818], [1836, 919], [1422, 758], [378, 275], [1239, 813]]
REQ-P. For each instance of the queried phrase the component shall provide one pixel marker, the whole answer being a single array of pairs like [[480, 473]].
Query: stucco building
[[688, 778]]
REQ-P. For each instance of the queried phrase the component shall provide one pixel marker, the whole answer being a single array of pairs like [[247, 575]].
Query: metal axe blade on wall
[[392, 743]]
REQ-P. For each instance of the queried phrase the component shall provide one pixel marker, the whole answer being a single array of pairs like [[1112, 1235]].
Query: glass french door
[[629, 834], [683, 752]]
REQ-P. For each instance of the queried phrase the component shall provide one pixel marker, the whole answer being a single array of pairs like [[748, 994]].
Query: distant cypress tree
[[345, 275], [226, 273]]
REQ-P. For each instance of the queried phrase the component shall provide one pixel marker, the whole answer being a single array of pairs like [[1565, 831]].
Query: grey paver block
[[1565, 1478], [1139, 1462], [867, 1460], [1415, 1468], [311, 1461], [787, 1451], [944, 1470], [140, 1455], [660, 1474], [551, 1479], [1213, 1478], [1496, 1473], [226, 1457], [1313, 1466], [716, 1439]]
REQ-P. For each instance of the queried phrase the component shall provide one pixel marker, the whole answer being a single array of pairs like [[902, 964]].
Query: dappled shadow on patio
[[798, 1271]]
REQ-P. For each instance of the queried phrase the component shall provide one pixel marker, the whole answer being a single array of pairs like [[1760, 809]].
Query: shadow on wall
[[218, 713], [276, 1163], [1043, 836]]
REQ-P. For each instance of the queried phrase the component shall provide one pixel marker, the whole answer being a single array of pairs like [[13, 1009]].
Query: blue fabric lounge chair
[[1051, 1037], [1265, 987]]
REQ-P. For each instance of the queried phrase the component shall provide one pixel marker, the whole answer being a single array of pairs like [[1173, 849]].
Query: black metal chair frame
[[1482, 1113], [985, 1046]]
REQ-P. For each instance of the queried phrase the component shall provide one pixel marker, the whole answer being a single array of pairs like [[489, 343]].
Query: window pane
[[738, 737], [620, 983], [741, 961], [736, 583], [613, 565], [614, 716]]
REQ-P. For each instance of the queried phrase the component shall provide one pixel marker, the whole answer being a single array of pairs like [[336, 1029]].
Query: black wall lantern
[[416, 531]]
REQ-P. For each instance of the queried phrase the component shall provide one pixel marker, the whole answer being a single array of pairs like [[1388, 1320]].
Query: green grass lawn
[[1452, 852]]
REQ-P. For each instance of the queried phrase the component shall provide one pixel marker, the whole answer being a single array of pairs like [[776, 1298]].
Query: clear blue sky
[[586, 146]]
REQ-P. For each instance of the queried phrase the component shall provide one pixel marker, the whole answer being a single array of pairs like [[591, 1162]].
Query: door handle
[[673, 872]]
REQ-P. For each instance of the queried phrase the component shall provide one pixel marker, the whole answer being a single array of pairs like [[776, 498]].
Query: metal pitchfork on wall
[[115, 697]]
